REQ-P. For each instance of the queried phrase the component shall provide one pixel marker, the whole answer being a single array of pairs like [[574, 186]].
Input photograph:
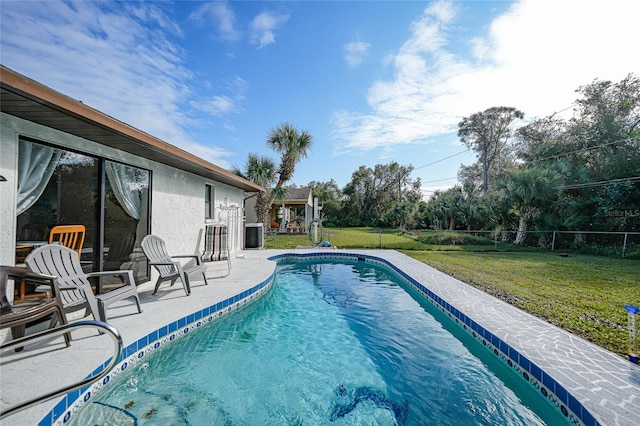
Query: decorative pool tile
[[540, 380], [137, 351], [530, 372]]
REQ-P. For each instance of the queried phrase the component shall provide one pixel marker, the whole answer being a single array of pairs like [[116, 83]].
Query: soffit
[[29, 100]]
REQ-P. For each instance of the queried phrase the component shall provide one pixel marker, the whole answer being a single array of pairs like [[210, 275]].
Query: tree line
[[581, 173]]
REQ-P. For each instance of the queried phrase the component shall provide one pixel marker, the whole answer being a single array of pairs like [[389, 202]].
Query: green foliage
[[258, 169], [488, 134], [383, 196], [576, 174], [292, 145], [330, 198], [580, 174], [530, 191], [449, 238]]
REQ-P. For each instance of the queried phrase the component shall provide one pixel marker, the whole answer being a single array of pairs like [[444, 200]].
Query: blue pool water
[[330, 343]]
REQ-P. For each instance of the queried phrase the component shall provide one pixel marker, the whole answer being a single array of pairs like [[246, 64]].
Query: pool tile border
[[143, 347], [555, 393], [559, 397]]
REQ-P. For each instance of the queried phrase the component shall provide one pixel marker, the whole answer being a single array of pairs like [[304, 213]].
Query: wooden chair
[[168, 269], [71, 236], [72, 282], [18, 316], [216, 247]]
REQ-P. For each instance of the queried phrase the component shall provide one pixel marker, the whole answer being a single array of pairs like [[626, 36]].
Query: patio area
[[604, 383]]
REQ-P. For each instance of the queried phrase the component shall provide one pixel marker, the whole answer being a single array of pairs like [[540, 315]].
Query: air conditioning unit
[[253, 236]]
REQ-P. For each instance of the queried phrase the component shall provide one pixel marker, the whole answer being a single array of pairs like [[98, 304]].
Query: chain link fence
[[624, 244]]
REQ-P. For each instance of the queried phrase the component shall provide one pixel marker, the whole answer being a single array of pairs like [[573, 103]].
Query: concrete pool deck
[[607, 385]]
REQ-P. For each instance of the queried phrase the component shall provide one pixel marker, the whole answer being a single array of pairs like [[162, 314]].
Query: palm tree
[[292, 146], [531, 190], [260, 170]]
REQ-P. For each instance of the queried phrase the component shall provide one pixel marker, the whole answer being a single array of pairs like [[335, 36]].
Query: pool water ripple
[[331, 343]]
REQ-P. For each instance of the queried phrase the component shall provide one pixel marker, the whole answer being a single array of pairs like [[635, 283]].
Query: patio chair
[[71, 236], [119, 252], [19, 316], [155, 249], [72, 282], [216, 246], [33, 232]]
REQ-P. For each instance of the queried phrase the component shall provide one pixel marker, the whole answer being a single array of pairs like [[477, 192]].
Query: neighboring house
[[67, 163], [293, 214]]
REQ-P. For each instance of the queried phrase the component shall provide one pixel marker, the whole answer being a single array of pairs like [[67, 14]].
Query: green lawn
[[580, 293], [348, 238]]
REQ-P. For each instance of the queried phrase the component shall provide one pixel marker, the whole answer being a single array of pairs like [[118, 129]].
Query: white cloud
[[263, 26], [223, 106], [220, 105], [119, 59], [355, 52], [222, 16], [532, 57]]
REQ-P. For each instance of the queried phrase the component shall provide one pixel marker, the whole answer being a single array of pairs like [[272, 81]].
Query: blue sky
[[371, 81]]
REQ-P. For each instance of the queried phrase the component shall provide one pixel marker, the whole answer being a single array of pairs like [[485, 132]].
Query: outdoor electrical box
[[253, 236], [633, 332]]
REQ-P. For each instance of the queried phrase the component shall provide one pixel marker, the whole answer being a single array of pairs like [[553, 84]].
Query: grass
[[582, 294], [372, 238], [348, 238]]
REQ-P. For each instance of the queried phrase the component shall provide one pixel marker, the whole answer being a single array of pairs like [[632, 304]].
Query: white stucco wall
[[250, 210], [177, 197]]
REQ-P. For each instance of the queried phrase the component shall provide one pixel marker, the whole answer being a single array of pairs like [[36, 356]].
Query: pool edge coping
[[138, 350], [63, 410], [510, 356]]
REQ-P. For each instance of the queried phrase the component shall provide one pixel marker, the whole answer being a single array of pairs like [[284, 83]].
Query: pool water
[[330, 343]]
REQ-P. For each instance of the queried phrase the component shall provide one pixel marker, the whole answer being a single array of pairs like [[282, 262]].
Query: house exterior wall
[[250, 210], [177, 197]]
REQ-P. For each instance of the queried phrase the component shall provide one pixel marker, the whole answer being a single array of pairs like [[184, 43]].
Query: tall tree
[[488, 134], [326, 191], [595, 151], [541, 140], [372, 192], [292, 145], [330, 197]]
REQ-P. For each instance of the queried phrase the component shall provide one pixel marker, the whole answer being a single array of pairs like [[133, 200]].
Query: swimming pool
[[332, 343]]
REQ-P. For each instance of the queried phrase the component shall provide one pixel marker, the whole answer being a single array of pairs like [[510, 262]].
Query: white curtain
[[36, 164], [125, 187]]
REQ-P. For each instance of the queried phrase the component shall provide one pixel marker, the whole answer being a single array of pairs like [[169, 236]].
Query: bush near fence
[[613, 244], [623, 244]]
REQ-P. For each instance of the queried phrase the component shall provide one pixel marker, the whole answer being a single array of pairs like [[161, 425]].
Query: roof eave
[[32, 101]]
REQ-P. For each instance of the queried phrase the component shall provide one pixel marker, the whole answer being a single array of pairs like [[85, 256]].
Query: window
[[61, 187], [208, 202]]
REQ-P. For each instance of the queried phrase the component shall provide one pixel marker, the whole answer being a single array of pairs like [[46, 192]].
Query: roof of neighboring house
[[296, 194], [32, 101]]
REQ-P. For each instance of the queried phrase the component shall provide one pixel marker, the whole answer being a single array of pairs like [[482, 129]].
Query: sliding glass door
[[62, 187], [125, 217]]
